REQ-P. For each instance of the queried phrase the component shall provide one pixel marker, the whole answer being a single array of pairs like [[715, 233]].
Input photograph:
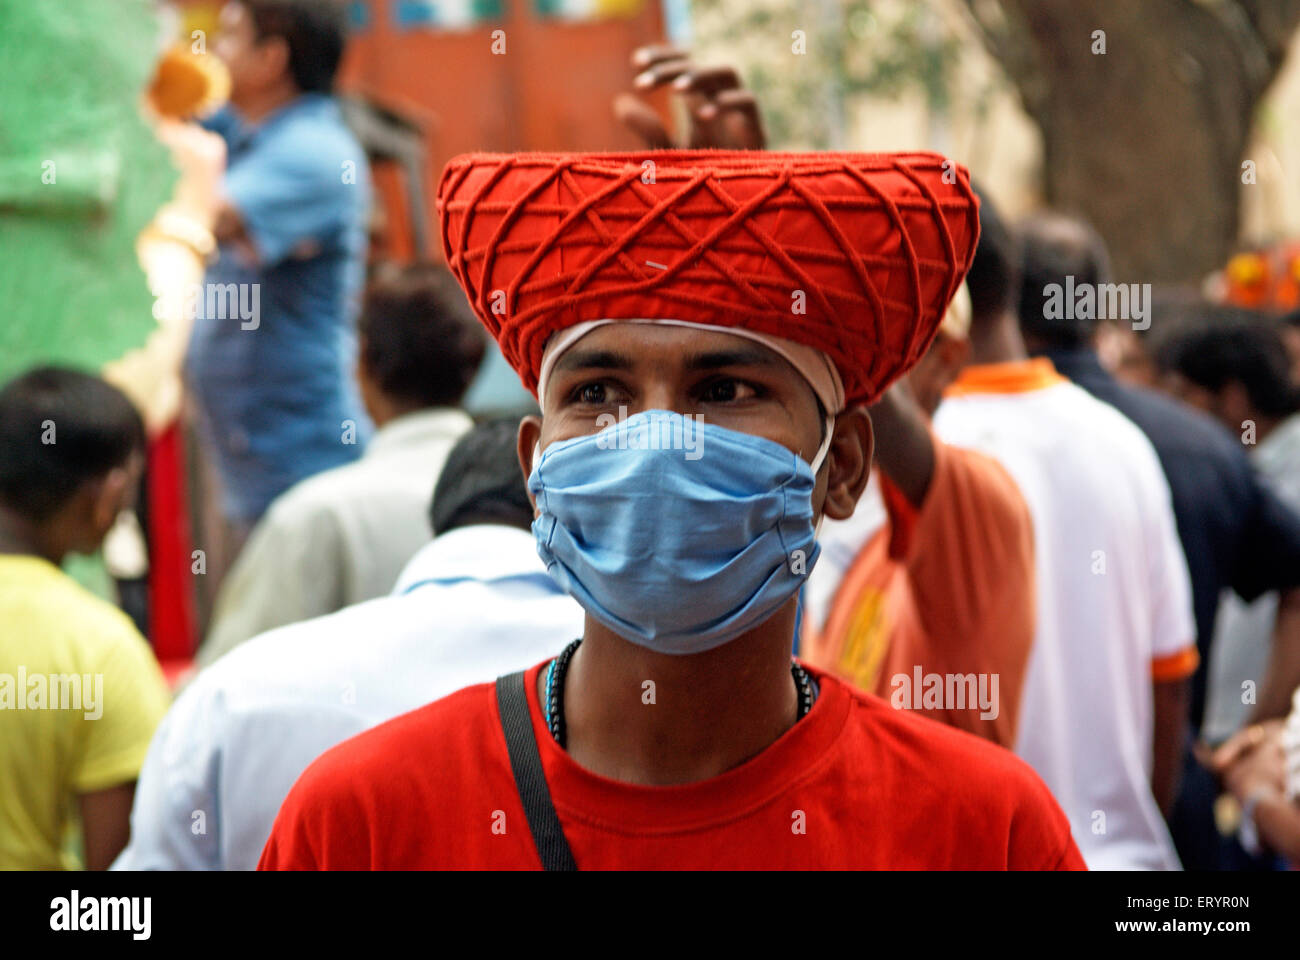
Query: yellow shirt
[[80, 697]]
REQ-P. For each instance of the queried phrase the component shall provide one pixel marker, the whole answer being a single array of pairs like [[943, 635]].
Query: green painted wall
[[71, 290]]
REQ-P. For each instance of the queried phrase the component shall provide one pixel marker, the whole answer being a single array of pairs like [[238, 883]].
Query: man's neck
[[997, 341], [1038, 347], [383, 410], [656, 720], [17, 536], [1264, 426], [255, 107]]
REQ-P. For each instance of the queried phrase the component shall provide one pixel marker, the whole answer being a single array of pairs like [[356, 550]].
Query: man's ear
[[956, 354], [363, 367], [1234, 400], [850, 463], [275, 57], [530, 432], [366, 383], [101, 501]]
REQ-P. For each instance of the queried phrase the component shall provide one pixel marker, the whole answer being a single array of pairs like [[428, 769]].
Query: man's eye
[[727, 391], [592, 393]]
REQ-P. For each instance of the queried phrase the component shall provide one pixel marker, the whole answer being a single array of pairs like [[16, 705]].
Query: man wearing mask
[[679, 471], [271, 355]]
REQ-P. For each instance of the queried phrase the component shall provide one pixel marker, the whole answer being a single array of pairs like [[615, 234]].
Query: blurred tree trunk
[[1148, 139]]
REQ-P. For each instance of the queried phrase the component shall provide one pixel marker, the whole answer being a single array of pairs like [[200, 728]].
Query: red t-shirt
[[855, 783]]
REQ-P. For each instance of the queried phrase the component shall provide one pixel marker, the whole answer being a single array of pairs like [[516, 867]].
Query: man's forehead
[[688, 347], [633, 341], [659, 349]]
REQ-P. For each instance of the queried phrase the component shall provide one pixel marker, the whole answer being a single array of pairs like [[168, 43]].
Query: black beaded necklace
[[553, 707]]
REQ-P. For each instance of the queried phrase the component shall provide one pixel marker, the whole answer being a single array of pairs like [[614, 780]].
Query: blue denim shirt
[[271, 358]]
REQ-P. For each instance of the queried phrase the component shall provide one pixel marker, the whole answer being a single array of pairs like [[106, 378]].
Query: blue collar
[[240, 134]]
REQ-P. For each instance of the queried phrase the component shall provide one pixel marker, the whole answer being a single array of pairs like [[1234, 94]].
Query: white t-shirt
[[474, 604], [1243, 632], [1114, 597]]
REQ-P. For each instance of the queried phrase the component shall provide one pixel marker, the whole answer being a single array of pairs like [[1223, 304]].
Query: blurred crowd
[[1077, 539]]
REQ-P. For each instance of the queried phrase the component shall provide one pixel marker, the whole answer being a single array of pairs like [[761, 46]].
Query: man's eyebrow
[[593, 359], [739, 357]]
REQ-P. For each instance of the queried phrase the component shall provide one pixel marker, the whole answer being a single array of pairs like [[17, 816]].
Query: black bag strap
[[530, 781]]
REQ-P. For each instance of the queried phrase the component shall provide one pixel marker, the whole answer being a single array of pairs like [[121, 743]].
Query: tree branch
[[1010, 42], [1274, 23]]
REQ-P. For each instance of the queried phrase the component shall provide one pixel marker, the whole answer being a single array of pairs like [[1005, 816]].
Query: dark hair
[[993, 277], [60, 429], [315, 32], [481, 481], [1177, 313], [1235, 345], [1053, 247], [419, 340]]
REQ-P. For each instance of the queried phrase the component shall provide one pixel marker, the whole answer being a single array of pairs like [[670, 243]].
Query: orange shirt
[[937, 611]]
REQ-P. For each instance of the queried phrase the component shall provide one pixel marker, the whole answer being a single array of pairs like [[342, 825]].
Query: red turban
[[856, 255]]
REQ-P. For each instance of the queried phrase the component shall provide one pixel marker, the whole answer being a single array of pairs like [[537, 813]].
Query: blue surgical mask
[[677, 546]]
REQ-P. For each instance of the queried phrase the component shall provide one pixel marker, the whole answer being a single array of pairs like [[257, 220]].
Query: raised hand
[[721, 113]]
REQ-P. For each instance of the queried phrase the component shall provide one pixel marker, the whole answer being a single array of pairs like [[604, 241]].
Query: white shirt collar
[[478, 552], [418, 429], [1283, 441]]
